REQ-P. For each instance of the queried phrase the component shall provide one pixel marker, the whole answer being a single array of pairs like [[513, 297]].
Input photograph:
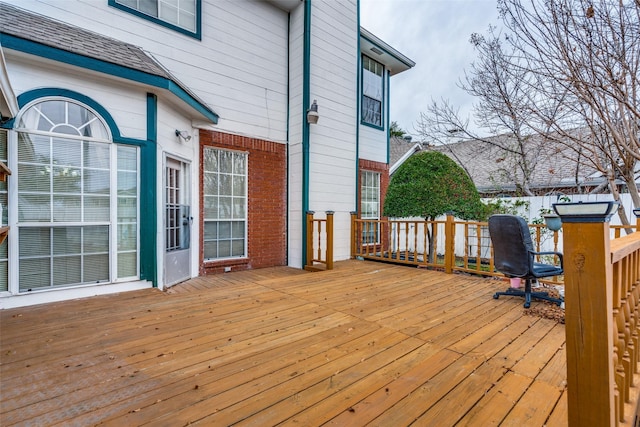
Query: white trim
[[56, 295], [417, 147], [5, 87]]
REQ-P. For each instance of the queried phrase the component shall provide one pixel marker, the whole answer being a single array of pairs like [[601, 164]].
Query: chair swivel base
[[528, 295]]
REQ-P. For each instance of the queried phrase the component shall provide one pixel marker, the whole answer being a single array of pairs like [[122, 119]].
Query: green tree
[[396, 130], [428, 185]]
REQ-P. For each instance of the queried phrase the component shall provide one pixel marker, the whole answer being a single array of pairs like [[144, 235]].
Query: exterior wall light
[[184, 135], [312, 113], [586, 211]]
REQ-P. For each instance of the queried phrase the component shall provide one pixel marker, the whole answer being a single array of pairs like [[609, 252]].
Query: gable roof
[[400, 149], [39, 35]]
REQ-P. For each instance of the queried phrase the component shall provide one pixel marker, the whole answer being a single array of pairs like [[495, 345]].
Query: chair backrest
[[511, 244]]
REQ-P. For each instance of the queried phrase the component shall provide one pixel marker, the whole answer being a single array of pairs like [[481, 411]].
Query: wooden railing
[[319, 242], [408, 242], [602, 317]]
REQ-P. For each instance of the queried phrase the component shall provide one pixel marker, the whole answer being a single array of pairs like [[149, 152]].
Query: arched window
[[77, 199]]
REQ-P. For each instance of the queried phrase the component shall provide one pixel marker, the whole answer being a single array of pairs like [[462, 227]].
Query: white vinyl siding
[[225, 204]]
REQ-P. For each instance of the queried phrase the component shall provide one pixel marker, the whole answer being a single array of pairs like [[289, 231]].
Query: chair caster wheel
[[527, 305], [496, 296]]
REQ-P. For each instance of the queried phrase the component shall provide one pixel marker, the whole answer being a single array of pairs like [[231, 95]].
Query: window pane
[[67, 152], [210, 250], [226, 188], [210, 207], [238, 185], [67, 240], [67, 208], [127, 237], [127, 209], [67, 270], [34, 208], [237, 248], [34, 178], [34, 273], [66, 180], [224, 248], [210, 183], [210, 230], [97, 209], [96, 268], [96, 155], [128, 264], [224, 208], [127, 158]]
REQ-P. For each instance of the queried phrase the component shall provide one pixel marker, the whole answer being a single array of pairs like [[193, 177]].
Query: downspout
[[358, 99], [306, 96], [287, 162]]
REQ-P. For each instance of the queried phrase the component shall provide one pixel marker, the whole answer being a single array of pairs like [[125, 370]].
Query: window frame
[[197, 34], [363, 199], [231, 220], [380, 126], [113, 224]]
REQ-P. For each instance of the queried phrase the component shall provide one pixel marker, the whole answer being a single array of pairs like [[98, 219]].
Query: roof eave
[[34, 48], [395, 61]]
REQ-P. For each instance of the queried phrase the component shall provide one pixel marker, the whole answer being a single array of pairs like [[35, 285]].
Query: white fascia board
[[401, 160], [8, 101]]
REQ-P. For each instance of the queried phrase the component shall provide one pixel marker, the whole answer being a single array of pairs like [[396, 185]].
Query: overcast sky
[[435, 35]]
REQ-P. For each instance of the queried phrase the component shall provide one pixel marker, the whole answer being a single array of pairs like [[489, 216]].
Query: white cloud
[[435, 34]]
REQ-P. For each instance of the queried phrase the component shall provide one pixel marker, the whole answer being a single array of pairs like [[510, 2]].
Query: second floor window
[[178, 14], [372, 91]]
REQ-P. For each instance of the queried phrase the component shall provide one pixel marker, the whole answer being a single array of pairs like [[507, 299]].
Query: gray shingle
[[49, 32]]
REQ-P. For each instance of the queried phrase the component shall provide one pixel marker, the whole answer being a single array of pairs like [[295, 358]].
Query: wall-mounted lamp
[[312, 113], [586, 211], [183, 134]]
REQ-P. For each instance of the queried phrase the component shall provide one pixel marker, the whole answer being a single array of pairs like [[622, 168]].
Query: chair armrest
[[558, 254]]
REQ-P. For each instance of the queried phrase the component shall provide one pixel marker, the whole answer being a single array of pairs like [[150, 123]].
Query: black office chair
[[514, 257]]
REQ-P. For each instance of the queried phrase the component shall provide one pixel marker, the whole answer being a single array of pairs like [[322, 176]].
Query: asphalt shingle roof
[[49, 32], [493, 169]]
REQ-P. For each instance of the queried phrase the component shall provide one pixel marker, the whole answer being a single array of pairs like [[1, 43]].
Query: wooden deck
[[364, 344]]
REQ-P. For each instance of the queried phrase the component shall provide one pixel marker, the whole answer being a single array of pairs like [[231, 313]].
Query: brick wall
[[267, 201]]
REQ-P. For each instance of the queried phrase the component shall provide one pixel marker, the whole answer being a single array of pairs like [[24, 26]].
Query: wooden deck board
[[364, 344]]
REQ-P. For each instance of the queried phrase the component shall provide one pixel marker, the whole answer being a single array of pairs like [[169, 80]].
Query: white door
[[177, 222]]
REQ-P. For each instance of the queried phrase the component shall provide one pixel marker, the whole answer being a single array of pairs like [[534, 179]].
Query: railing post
[[449, 244], [329, 240], [588, 279], [354, 233], [310, 238]]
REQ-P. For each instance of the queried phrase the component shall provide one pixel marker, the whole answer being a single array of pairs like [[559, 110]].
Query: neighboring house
[[151, 143], [553, 168]]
